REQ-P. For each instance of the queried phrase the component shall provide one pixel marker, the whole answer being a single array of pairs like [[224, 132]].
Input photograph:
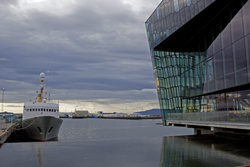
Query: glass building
[[200, 52]]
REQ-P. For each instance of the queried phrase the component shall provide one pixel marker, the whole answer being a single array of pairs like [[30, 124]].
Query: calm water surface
[[124, 143]]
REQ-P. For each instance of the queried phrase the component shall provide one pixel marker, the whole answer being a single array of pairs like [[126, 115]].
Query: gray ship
[[41, 119]]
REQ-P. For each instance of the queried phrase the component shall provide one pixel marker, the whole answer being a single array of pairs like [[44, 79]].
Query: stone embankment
[[5, 130]]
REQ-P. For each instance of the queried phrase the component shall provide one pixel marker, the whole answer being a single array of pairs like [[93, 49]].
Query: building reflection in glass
[[203, 151]]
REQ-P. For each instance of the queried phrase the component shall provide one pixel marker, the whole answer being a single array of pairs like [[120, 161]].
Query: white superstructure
[[35, 109]]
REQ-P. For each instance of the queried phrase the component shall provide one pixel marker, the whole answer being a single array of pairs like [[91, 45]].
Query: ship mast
[[40, 95]]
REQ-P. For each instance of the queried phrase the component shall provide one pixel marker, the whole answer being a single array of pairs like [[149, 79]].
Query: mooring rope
[[26, 126]]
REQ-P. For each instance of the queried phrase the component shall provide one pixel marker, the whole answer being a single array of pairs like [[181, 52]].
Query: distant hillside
[[150, 112]]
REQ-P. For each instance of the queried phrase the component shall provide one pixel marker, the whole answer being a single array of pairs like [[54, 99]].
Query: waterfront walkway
[[5, 130], [4, 126]]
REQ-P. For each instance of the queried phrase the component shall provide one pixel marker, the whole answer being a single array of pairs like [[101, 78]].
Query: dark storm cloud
[[96, 45]]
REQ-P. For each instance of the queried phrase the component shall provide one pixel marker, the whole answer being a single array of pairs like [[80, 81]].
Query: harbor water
[[125, 143]]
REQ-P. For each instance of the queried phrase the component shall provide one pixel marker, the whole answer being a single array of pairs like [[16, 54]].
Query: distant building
[[81, 113], [113, 114], [8, 116], [6, 113], [99, 113]]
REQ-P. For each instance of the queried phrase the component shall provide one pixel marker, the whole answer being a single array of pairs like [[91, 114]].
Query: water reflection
[[204, 151], [39, 156]]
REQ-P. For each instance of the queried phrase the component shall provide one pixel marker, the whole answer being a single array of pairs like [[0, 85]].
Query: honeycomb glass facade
[[200, 52]]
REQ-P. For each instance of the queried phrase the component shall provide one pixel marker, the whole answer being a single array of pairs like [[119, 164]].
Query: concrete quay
[[121, 117], [206, 127], [5, 130], [133, 117]]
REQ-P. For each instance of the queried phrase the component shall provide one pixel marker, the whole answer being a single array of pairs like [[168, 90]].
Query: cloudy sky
[[94, 54]]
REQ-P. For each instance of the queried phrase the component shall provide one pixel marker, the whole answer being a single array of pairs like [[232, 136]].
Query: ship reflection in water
[[204, 151], [39, 155]]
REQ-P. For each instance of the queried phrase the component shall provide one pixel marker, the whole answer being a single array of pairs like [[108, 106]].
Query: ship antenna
[[40, 95]]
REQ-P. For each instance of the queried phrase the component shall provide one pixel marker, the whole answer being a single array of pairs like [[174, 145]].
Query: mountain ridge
[[154, 111]]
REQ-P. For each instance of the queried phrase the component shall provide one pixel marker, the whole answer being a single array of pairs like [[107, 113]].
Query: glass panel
[[176, 18], [217, 44], [192, 10], [218, 64], [188, 14], [230, 80], [237, 27], [244, 98], [201, 5], [210, 51], [176, 5], [157, 11], [248, 47], [246, 20], [211, 86], [228, 58], [210, 70], [226, 36], [172, 20], [207, 2], [219, 83], [183, 16], [196, 9], [242, 77], [240, 54]]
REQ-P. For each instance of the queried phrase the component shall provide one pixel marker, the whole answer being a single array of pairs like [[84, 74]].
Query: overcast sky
[[94, 53]]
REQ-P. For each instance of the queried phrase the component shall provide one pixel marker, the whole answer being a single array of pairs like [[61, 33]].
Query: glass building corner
[[200, 54]]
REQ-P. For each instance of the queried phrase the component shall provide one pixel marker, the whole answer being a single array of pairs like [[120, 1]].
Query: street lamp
[[2, 106], [3, 99]]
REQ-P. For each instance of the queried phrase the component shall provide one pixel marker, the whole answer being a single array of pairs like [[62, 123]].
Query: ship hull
[[42, 128]]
